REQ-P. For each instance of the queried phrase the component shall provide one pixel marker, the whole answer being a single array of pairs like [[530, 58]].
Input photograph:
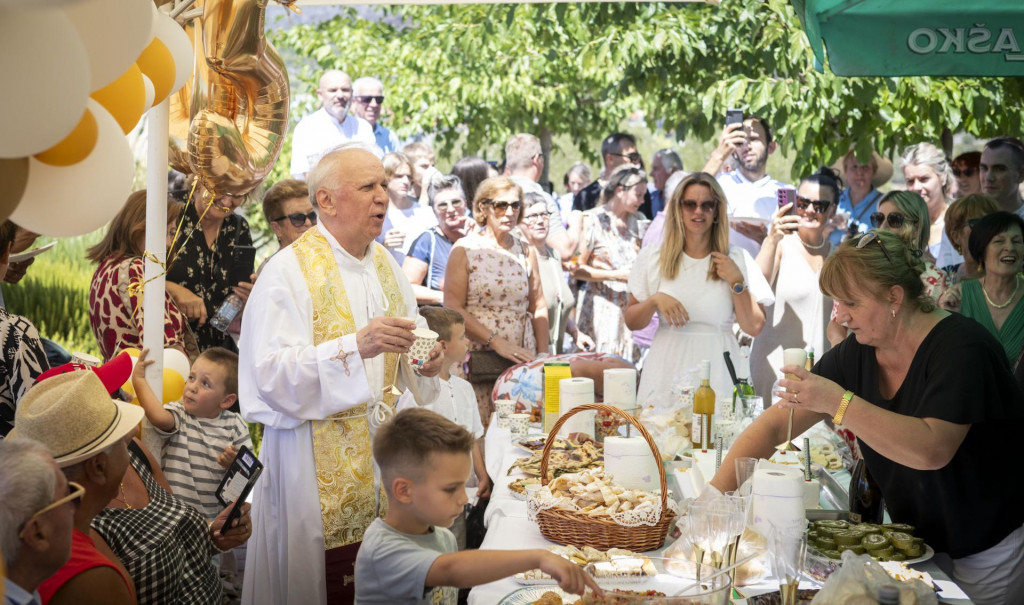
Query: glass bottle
[[704, 408]]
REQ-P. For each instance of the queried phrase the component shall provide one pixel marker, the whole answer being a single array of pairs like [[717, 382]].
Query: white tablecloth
[[508, 527]]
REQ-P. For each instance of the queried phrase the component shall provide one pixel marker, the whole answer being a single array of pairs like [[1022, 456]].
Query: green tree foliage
[[473, 74]]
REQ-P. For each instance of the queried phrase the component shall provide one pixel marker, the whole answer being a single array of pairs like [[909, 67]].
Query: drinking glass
[[744, 472], [788, 551]]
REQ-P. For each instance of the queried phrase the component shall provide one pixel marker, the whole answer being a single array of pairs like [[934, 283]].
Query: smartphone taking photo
[[238, 482], [787, 195], [733, 116]]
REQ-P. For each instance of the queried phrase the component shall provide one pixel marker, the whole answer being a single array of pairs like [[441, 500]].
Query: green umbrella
[[916, 37]]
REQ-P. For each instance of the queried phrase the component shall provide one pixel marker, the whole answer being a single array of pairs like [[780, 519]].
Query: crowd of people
[[910, 299]]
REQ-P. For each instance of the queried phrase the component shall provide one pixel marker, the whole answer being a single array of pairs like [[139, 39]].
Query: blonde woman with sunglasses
[[699, 286], [791, 259], [935, 408]]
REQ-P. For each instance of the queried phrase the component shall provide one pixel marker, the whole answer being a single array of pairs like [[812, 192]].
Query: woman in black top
[[200, 260], [936, 412]]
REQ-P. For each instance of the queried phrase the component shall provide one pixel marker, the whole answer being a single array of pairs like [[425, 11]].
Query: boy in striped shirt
[[201, 434]]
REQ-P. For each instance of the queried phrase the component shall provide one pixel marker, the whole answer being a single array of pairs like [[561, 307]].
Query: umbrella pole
[[157, 129]]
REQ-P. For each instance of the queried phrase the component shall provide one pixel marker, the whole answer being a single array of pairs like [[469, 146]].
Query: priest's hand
[[433, 365], [385, 335]]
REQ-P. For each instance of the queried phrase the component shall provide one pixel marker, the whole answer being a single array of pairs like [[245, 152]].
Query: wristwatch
[[739, 287]]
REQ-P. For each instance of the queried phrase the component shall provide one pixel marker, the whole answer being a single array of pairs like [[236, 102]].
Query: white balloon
[[177, 361], [44, 72], [63, 201], [176, 41], [115, 33], [150, 92]]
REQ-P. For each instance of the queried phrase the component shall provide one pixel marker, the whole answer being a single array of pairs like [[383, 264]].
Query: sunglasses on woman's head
[[298, 219], [896, 220], [820, 206], [967, 172], [869, 237], [502, 207], [691, 205]]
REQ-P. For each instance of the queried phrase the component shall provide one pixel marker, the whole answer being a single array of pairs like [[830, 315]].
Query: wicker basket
[[565, 526]]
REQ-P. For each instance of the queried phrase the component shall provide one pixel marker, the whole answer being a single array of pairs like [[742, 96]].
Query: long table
[[508, 527]]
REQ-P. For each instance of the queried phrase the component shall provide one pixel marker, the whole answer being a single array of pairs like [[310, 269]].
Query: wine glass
[[788, 550]]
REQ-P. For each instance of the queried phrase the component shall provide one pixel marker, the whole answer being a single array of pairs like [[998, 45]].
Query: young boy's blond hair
[[402, 447], [227, 360]]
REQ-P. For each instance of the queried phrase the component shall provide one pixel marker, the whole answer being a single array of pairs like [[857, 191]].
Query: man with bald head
[[330, 126], [319, 366]]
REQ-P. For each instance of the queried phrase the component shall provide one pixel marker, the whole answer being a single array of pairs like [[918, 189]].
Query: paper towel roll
[[571, 393], [620, 387], [777, 499], [630, 461]]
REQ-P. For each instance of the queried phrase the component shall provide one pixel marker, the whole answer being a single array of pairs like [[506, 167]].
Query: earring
[[892, 311]]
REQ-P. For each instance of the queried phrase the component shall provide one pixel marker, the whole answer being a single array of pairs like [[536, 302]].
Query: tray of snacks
[[590, 510], [518, 487], [536, 444], [567, 458], [827, 539], [540, 595], [615, 564]]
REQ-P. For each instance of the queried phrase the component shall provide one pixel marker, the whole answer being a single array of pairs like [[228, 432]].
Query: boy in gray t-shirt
[[408, 558]]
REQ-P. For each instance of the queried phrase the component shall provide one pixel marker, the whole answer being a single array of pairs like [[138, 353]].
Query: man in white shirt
[[524, 163], [368, 102], [1002, 171], [320, 367], [750, 191], [329, 126], [37, 515]]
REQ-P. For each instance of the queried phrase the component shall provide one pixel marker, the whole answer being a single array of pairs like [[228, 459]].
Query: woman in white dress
[[699, 285], [791, 258]]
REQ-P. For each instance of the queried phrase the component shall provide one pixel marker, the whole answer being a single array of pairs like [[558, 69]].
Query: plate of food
[[518, 487], [542, 595], [24, 256], [613, 565], [573, 457], [827, 539]]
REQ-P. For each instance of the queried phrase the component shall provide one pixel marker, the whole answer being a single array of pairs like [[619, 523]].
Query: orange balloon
[[174, 385], [76, 146], [124, 98], [157, 63]]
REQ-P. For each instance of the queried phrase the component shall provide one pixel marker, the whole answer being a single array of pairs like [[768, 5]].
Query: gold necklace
[[1016, 287], [124, 499]]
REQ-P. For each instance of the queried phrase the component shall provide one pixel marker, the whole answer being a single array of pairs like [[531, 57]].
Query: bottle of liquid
[[866, 504], [704, 409], [744, 388], [810, 359], [227, 312]]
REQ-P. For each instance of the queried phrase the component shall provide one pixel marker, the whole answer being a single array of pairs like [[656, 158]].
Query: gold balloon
[[76, 146], [239, 98], [124, 98], [14, 176]]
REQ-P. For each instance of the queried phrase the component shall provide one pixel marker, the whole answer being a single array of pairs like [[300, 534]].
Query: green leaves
[[474, 74]]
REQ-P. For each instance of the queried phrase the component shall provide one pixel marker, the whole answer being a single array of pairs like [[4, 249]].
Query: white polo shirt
[[319, 132]]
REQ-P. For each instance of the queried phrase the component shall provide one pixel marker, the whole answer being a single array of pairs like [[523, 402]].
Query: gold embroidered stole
[[341, 443]]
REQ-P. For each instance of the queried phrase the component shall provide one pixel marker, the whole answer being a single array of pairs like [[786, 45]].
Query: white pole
[[156, 241]]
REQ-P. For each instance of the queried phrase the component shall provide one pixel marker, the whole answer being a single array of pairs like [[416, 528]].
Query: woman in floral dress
[[493, 281], [612, 234]]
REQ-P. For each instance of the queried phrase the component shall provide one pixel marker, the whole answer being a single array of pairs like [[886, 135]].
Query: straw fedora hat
[[74, 417], [882, 174]]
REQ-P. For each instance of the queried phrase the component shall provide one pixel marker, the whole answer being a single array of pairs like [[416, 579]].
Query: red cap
[[112, 374]]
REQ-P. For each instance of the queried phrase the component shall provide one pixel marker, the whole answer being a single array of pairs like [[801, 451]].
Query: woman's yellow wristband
[[845, 403]]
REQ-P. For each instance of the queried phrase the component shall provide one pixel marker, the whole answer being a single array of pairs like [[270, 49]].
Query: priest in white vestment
[[319, 363]]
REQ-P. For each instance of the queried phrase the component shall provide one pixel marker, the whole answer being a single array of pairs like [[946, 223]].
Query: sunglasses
[[442, 206], [896, 220], [502, 207], [968, 172], [869, 237], [298, 219], [820, 206], [365, 99], [691, 205], [76, 491], [632, 157]]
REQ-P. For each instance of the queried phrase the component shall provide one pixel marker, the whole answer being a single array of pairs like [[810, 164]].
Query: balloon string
[[136, 288]]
